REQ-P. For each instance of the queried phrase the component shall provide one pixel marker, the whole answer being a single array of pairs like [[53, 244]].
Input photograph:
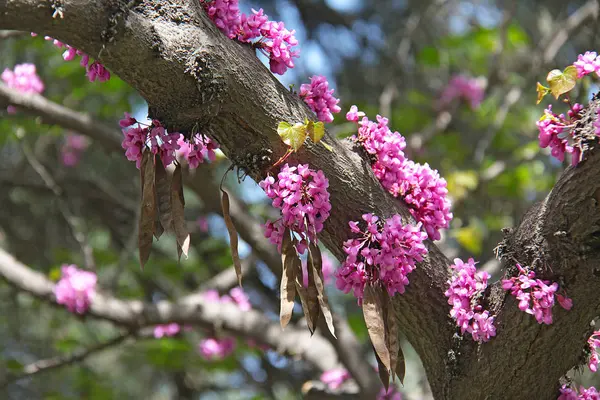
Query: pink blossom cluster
[[23, 78], [422, 188], [384, 252], [463, 87], [594, 343], [274, 40], [334, 378], [555, 131], [196, 149], [320, 98], [466, 288], [73, 148], [587, 63], [536, 297], [75, 289], [301, 195], [217, 348], [154, 137], [94, 71], [581, 393], [327, 267], [391, 394], [165, 330]]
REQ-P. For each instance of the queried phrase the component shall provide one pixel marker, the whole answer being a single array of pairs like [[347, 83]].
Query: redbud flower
[[422, 188], [466, 288], [391, 394], [319, 98], [171, 329], [470, 89], [301, 195], [581, 393], [587, 63], [385, 252], [73, 148], [197, 149], [24, 78], [536, 297], [216, 349], [75, 289], [334, 378], [594, 343]]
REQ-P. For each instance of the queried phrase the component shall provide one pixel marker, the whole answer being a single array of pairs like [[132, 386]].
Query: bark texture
[[195, 79]]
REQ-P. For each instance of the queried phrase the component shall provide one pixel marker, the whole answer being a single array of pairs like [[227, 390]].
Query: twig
[[49, 364], [63, 207]]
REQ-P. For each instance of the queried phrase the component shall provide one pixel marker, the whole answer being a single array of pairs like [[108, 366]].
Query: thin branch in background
[[73, 222], [52, 363], [7, 34]]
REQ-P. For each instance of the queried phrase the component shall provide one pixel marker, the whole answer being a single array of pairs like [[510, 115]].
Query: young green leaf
[[233, 236], [294, 136], [317, 132], [542, 91], [562, 82]]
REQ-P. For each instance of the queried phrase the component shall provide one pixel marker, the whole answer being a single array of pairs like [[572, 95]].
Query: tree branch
[[191, 309], [194, 77]]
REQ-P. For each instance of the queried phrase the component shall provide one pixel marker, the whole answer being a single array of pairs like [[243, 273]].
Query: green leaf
[[328, 147], [562, 82], [13, 365], [317, 132], [541, 92], [293, 136], [429, 56]]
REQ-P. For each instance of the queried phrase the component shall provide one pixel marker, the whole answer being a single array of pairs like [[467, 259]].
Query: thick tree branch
[[193, 77], [191, 309]]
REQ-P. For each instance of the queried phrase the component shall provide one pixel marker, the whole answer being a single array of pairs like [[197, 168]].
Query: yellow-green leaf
[[328, 147], [541, 92], [294, 136], [317, 132], [562, 82]]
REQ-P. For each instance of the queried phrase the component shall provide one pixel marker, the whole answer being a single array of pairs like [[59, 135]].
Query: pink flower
[[460, 86], [196, 150], [465, 291], [73, 148], [421, 187], [385, 251], [216, 349], [24, 78], [319, 98], [202, 223], [335, 377], [301, 195], [166, 330], [75, 289], [536, 297], [587, 63], [581, 393], [154, 137]]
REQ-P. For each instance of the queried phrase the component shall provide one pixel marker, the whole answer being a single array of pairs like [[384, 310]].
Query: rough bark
[[194, 78]]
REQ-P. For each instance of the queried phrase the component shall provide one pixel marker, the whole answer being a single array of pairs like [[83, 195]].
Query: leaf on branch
[[177, 209], [562, 82], [233, 236], [163, 198], [316, 130], [315, 264], [148, 208], [293, 136], [542, 91], [289, 260], [374, 319]]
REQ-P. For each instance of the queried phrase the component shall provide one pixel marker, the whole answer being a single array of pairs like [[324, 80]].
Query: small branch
[[73, 222], [49, 364]]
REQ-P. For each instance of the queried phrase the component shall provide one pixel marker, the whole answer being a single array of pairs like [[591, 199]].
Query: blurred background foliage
[[392, 57]]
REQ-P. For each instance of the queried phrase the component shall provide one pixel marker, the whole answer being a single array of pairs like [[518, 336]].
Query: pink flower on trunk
[[75, 289]]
